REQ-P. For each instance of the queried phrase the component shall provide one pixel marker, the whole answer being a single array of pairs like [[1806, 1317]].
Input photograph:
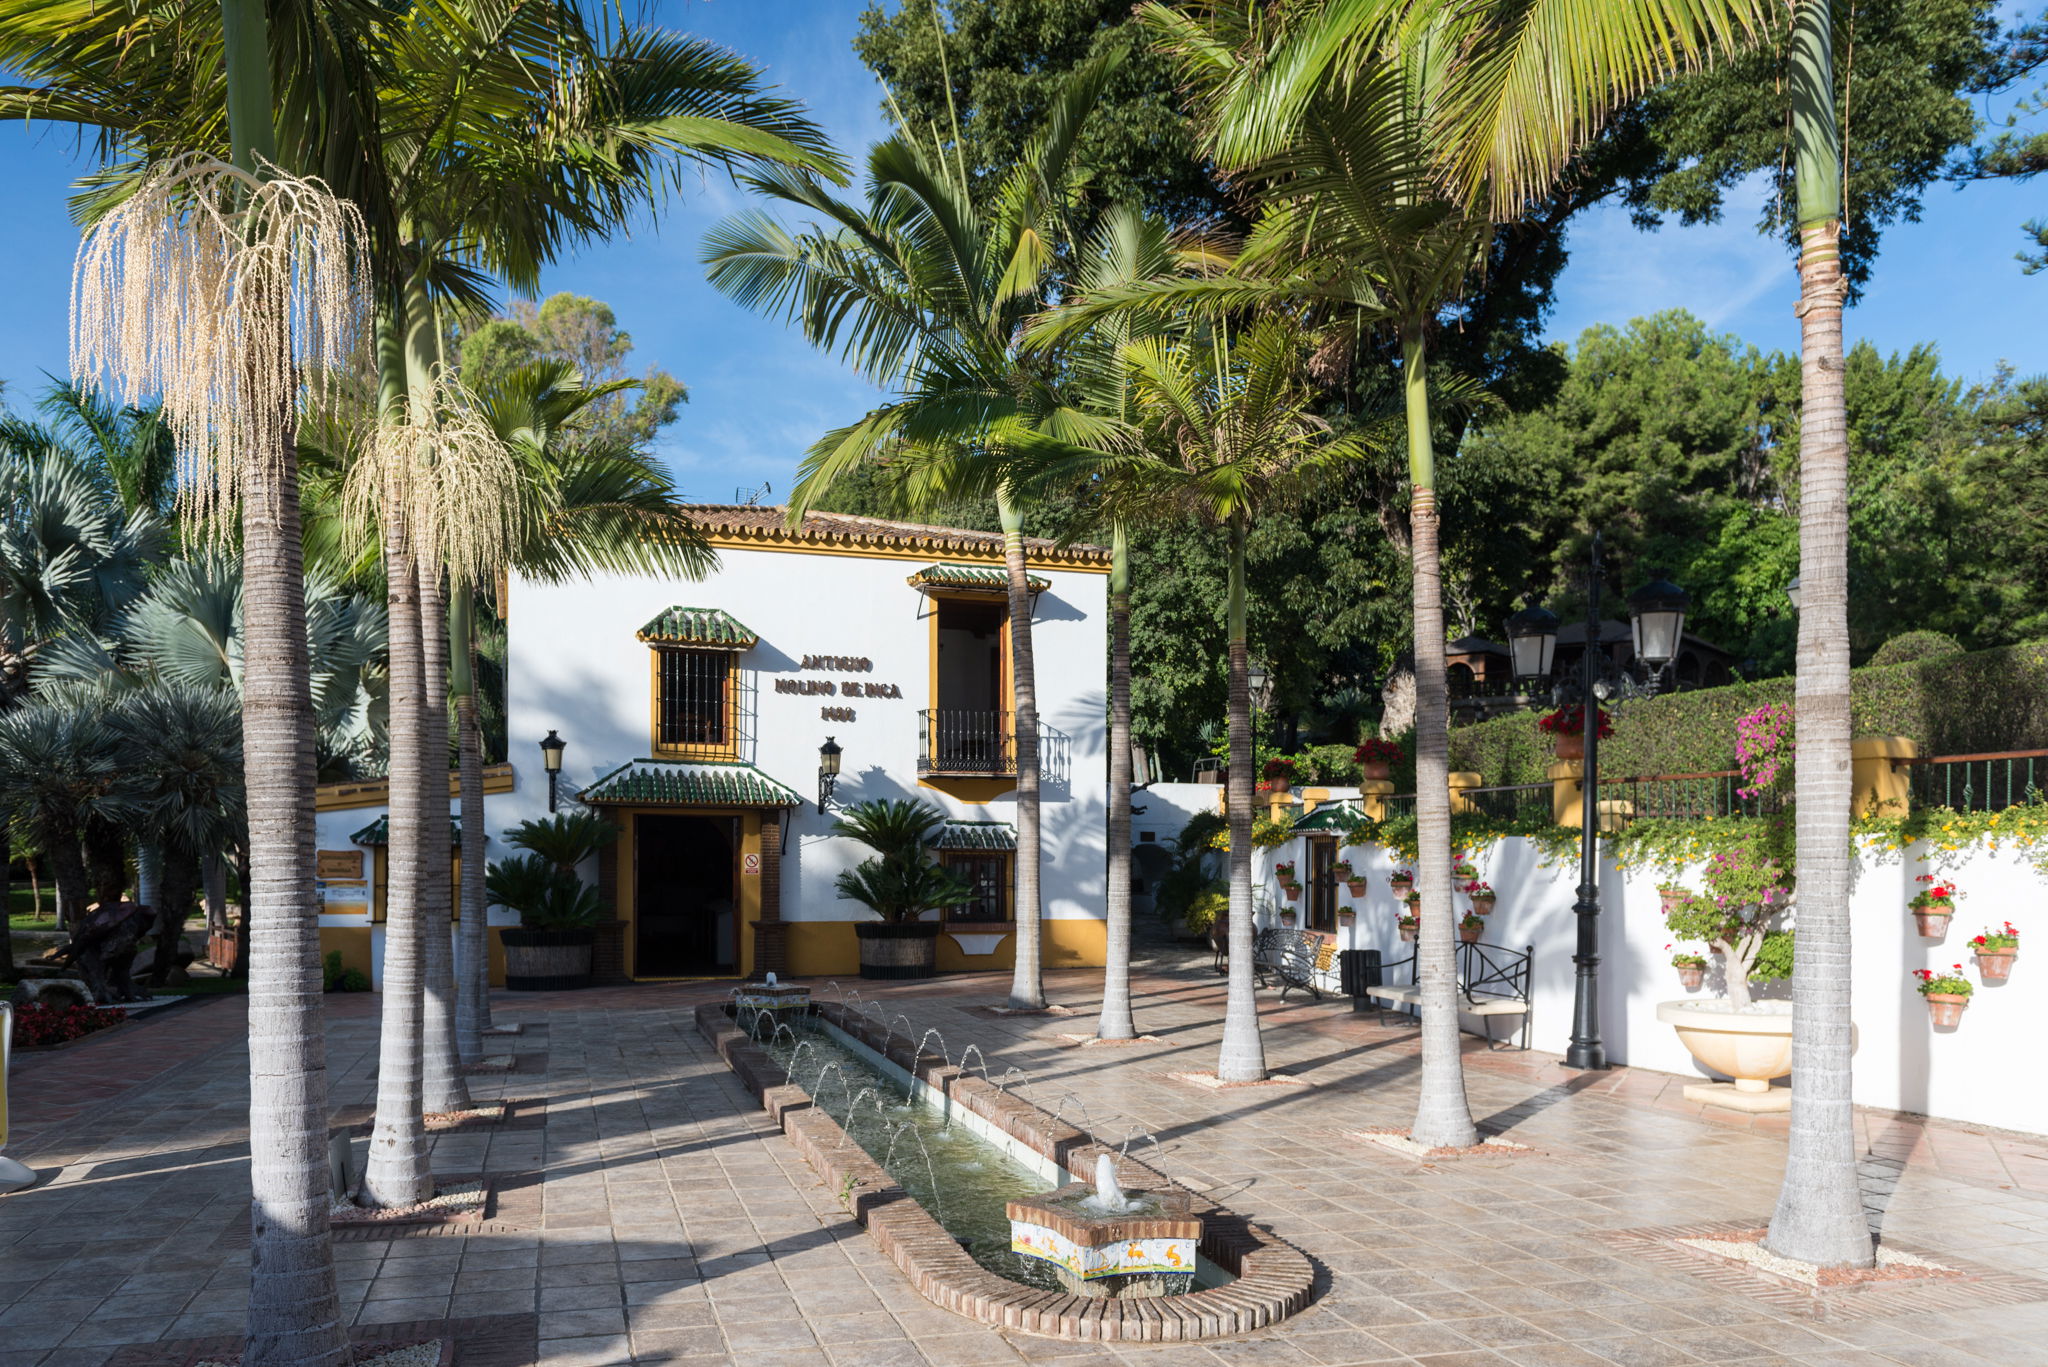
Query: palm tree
[[1388, 137], [1820, 1216], [926, 290], [65, 783]]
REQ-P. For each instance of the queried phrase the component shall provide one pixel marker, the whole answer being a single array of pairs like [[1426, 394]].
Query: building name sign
[[838, 688]]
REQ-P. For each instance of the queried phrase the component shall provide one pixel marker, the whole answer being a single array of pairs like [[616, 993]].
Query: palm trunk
[[472, 960], [1820, 1216], [1443, 1117], [1027, 979], [442, 1084], [244, 876], [67, 871], [1116, 1020], [176, 882], [396, 1172], [149, 864], [1243, 1055]]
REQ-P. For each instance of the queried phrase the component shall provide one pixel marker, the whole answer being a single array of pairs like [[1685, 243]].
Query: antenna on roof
[[750, 497]]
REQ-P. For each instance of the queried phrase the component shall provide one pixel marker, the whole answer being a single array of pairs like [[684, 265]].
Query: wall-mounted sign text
[[838, 688]]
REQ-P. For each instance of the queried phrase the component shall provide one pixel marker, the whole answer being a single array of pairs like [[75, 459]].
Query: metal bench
[[1493, 981], [1292, 958]]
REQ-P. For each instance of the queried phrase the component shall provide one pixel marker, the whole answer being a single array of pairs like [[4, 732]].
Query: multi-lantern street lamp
[[1657, 626]]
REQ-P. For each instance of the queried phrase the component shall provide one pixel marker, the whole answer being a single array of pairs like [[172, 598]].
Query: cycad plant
[[564, 839], [926, 289], [901, 882]]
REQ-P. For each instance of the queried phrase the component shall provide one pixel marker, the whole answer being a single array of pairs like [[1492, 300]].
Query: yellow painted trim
[[685, 753], [921, 548], [376, 792], [351, 942], [977, 790]]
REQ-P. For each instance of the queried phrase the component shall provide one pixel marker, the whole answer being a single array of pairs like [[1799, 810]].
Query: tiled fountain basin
[[1272, 1279]]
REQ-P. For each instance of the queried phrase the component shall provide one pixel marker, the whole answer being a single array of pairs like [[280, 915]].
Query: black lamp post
[[1657, 625], [551, 759], [828, 772]]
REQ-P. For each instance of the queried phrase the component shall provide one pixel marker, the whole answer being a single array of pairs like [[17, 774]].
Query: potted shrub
[[1738, 917], [1376, 760], [1995, 951], [1567, 728], [1482, 897], [1462, 868], [1343, 873], [1346, 916], [1287, 917], [1407, 925], [1933, 905], [550, 949], [900, 884], [1692, 969], [1947, 994], [1279, 773], [1470, 926], [1403, 883]]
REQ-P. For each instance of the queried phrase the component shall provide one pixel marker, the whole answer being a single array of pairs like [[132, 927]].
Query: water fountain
[[1102, 1242], [770, 995]]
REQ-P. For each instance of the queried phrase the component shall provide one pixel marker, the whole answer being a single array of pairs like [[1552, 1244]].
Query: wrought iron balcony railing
[[963, 741]]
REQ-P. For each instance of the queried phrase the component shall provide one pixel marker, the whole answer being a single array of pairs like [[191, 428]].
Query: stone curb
[[1274, 1280]]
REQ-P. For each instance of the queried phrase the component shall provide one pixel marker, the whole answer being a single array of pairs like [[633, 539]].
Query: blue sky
[[759, 396]]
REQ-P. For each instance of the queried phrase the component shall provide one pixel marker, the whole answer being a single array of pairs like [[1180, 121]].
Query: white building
[[694, 713]]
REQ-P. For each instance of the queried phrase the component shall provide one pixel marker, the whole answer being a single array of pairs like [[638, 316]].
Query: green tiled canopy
[[1331, 816], [699, 627], [678, 783], [378, 833], [975, 835], [981, 578]]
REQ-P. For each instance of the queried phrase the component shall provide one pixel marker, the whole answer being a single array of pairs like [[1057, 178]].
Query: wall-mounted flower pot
[[1691, 978], [1355, 886], [1402, 887], [1469, 934], [1408, 934], [1287, 919], [1375, 771], [1669, 899], [1945, 1008], [1995, 965], [1346, 916], [1933, 924], [1293, 891], [1482, 906]]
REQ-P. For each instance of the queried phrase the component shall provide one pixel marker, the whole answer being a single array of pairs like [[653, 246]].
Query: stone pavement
[[674, 1225]]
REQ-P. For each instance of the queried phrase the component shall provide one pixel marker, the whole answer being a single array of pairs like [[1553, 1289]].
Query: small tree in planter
[[1747, 893], [1946, 993], [1376, 760], [550, 949], [1995, 951], [1933, 905], [1481, 895], [899, 884], [564, 839], [1692, 969]]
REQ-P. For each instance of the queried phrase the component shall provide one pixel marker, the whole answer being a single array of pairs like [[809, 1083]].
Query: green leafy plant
[[1683, 959], [1951, 984], [1938, 896], [564, 839], [545, 897], [901, 882], [1471, 921], [1995, 941], [335, 978], [1212, 902], [1284, 871], [1341, 871], [1748, 890]]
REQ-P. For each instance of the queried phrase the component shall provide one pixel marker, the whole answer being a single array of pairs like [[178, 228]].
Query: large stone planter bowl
[[1750, 1047]]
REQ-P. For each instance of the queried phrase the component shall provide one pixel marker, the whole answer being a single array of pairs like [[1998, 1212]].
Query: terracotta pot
[[1945, 1008], [1995, 965], [1408, 933], [1483, 905], [1402, 887], [1668, 899], [1375, 770], [1293, 891], [1933, 924], [1346, 916], [1691, 978], [1287, 918], [1470, 937], [1356, 887], [1277, 785], [1571, 747]]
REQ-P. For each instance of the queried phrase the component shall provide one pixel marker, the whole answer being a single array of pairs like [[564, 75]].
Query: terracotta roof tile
[[772, 521]]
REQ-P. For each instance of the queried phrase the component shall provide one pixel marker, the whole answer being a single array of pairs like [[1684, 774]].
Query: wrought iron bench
[[1292, 958], [1493, 981]]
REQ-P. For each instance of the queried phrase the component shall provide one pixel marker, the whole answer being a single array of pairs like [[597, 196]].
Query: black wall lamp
[[551, 759], [828, 772]]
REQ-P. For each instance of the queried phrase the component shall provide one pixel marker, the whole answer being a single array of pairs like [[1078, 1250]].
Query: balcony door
[[969, 727]]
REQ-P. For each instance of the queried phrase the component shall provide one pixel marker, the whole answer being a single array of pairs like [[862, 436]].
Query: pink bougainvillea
[[1764, 749]]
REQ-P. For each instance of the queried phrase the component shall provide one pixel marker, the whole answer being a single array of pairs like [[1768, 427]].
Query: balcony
[[961, 742]]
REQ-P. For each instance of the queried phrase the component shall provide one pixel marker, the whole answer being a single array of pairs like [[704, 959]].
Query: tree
[[583, 333], [65, 782], [1820, 1216], [925, 289]]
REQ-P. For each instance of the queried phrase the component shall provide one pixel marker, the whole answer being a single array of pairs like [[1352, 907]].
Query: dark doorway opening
[[685, 918]]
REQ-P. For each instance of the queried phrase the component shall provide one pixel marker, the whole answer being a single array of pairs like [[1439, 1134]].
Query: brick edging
[[1274, 1280]]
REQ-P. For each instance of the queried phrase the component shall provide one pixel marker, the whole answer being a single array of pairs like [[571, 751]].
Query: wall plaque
[[338, 864]]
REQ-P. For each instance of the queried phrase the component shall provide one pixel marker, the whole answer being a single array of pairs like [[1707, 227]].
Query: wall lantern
[[828, 772], [1657, 613], [551, 759], [1532, 642], [1792, 593]]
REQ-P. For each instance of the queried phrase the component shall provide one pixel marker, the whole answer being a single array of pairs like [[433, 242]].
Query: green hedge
[[1986, 700]]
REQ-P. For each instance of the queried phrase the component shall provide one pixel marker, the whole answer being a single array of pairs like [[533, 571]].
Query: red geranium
[[1377, 752], [1280, 766], [1570, 720], [35, 1023]]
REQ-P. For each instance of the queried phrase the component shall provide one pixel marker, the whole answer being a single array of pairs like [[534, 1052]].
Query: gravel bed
[[1216, 1084], [1399, 1142], [470, 1196], [425, 1354], [1893, 1265]]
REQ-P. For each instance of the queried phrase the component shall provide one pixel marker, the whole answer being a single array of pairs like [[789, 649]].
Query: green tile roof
[[699, 627], [975, 835], [678, 783], [984, 578], [378, 832], [1331, 816]]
